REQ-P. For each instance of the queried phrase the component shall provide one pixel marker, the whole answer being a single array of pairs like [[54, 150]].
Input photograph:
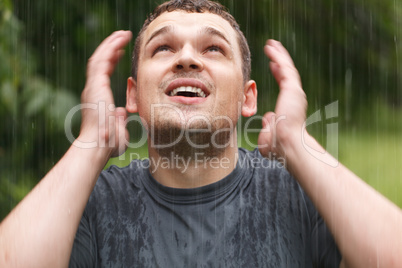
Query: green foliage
[[346, 50], [375, 156], [32, 114]]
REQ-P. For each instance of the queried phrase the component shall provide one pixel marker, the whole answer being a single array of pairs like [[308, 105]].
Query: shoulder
[[123, 177], [254, 160], [117, 184], [265, 169], [271, 181]]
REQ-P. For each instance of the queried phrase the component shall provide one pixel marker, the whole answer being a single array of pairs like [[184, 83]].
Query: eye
[[215, 48], [161, 49]]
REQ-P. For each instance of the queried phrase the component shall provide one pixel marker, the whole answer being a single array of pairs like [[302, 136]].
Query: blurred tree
[[346, 50], [32, 113], [64, 34]]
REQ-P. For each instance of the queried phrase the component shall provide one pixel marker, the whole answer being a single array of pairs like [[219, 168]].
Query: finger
[[282, 66], [123, 35], [108, 53], [103, 67], [278, 53], [109, 47], [276, 72]]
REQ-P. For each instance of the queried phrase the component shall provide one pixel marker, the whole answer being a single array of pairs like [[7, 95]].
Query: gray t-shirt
[[258, 216]]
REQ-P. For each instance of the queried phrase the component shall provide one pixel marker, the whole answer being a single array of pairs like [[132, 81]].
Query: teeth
[[195, 90]]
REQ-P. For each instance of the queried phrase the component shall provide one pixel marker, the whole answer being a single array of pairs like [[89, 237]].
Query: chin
[[171, 135]]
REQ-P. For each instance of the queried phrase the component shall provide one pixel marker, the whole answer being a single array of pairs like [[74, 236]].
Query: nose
[[188, 60]]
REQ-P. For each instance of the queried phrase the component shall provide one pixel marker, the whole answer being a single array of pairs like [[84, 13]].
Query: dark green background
[[346, 50]]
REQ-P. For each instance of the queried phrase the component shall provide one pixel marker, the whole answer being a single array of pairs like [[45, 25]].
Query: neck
[[178, 168]]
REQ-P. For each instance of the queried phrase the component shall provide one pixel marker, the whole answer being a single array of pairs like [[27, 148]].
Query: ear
[[249, 107], [131, 95]]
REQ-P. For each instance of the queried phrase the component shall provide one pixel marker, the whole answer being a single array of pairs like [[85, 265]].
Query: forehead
[[186, 22]]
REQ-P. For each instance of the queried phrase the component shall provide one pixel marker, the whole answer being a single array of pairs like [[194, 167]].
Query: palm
[[102, 122]]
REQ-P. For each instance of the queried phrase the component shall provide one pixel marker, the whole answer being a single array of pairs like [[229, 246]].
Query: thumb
[[266, 138], [121, 114], [122, 136]]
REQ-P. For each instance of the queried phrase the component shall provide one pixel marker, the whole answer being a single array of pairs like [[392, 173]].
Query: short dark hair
[[195, 6]]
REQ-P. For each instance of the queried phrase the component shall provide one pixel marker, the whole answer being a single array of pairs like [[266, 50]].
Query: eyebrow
[[214, 32], [163, 30], [204, 30]]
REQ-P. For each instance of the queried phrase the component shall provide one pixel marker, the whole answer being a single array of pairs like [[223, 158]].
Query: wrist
[[293, 145], [95, 143], [303, 150]]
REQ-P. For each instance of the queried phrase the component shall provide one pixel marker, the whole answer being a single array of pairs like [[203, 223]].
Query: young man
[[213, 204]]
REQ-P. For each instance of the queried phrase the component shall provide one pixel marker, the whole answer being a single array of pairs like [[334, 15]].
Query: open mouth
[[190, 92]]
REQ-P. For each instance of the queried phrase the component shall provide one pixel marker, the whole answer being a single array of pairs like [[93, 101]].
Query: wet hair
[[195, 6]]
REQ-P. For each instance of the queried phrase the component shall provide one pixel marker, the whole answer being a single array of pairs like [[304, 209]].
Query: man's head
[[195, 6], [190, 77]]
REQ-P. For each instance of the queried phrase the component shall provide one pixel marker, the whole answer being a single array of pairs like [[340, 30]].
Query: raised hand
[[48, 217], [286, 123], [103, 125], [365, 225]]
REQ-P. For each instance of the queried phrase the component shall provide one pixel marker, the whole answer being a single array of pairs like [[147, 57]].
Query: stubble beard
[[210, 141], [184, 139]]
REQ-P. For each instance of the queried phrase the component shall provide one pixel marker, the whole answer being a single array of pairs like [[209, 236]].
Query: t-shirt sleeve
[[84, 250], [325, 252]]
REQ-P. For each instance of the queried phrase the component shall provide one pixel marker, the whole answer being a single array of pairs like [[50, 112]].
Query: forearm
[[40, 231], [365, 225]]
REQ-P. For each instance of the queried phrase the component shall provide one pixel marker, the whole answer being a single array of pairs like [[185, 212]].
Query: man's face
[[190, 73]]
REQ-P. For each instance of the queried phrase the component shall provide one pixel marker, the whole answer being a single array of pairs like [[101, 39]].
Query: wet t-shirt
[[258, 216]]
